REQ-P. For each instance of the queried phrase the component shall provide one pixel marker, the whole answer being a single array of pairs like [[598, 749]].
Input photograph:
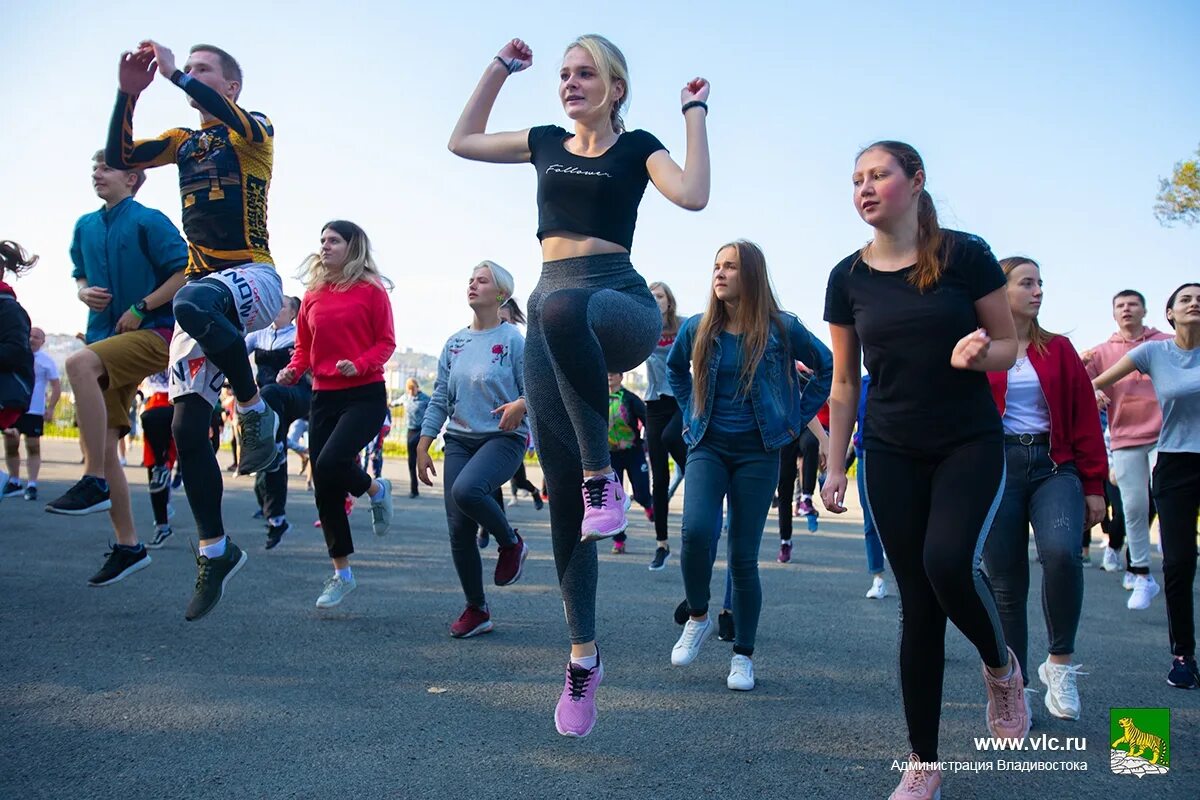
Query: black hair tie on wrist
[[695, 104]]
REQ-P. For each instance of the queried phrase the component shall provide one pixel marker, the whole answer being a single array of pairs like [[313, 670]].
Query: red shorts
[[9, 417]]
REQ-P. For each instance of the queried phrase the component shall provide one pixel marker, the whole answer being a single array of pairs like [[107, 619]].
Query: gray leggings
[[587, 316], [474, 468]]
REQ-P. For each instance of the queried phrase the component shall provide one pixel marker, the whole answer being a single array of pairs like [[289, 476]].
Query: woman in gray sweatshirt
[[480, 397]]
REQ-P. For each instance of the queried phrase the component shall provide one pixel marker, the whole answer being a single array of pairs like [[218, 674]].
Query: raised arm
[[211, 102], [135, 73], [687, 187], [843, 404], [469, 138]]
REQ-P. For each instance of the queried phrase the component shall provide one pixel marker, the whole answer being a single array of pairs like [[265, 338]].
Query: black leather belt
[[1027, 439]]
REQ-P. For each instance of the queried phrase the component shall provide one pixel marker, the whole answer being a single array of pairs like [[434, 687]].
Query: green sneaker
[[211, 577], [256, 436], [335, 591]]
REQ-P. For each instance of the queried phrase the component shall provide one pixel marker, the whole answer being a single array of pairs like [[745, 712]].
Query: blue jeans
[[736, 465], [874, 546], [1049, 498]]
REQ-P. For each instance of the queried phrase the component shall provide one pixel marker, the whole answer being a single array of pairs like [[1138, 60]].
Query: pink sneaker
[[575, 714], [1007, 706], [785, 552], [604, 505], [618, 548], [919, 781]]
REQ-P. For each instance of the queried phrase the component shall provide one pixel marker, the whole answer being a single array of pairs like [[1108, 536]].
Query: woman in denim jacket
[[741, 405]]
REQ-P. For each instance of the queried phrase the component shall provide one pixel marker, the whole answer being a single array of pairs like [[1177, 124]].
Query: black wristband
[[696, 104], [510, 68]]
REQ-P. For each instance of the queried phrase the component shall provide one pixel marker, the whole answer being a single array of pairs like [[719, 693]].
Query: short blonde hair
[[411, 383], [610, 63], [500, 276]]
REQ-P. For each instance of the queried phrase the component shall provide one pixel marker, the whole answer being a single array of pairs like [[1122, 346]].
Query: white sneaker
[[878, 589], [1112, 560], [512, 501], [1128, 581], [335, 591], [1062, 694], [1144, 590], [741, 673], [688, 647]]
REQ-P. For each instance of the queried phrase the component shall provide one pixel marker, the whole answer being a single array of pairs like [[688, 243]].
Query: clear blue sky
[[1044, 127]]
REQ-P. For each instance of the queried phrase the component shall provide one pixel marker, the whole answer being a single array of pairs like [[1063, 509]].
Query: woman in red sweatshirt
[[344, 335], [1054, 450]]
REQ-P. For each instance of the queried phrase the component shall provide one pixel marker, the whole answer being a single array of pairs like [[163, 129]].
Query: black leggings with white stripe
[[933, 513]]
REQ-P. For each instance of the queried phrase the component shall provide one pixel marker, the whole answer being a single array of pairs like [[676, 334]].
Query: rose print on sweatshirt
[[499, 353]]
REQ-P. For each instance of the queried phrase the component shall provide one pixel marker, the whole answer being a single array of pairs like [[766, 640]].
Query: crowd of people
[[974, 426]]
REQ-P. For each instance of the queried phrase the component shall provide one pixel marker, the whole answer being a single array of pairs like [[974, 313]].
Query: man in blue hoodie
[[129, 262]]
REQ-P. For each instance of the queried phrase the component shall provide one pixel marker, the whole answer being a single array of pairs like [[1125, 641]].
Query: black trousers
[[933, 513], [787, 485], [340, 425], [1176, 484], [156, 426], [414, 437], [290, 403], [664, 440]]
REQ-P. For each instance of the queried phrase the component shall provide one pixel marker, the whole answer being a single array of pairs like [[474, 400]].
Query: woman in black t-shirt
[[928, 310], [591, 312]]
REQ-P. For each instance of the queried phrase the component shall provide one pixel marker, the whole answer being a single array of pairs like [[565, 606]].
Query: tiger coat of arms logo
[[1141, 739]]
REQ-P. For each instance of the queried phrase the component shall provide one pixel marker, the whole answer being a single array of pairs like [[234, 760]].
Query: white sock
[[806, 498], [215, 550], [260, 406], [378, 495], [31, 483], [587, 662], [345, 574], [277, 521]]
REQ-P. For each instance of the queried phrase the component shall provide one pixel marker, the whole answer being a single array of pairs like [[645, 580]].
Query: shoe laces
[[578, 678], [915, 780], [251, 422], [740, 666], [1062, 678], [332, 582], [691, 633], [1007, 691], [203, 567], [596, 489]]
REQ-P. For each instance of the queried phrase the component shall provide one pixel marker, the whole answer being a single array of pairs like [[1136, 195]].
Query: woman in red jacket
[[344, 335], [1054, 481]]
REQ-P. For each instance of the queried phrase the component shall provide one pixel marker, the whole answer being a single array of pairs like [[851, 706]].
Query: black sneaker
[[276, 532], [482, 539], [31, 493], [120, 563], [660, 559], [413, 494], [681, 612], [85, 497], [160, 479], [1184, 674], [538, 502], [12, 488], [211, 576], [177, 478], [256, 439], [725, 626], [258, 514], [161, 534]]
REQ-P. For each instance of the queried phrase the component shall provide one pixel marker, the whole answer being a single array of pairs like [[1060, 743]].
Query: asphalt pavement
[[109, 693]]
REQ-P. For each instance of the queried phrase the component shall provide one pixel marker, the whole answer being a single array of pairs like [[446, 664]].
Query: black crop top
[[590, 196]]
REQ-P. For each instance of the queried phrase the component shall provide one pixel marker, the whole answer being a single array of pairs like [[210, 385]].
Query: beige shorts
[[128, 358]]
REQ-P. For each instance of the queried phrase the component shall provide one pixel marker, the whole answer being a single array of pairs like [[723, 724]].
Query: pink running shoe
[[618, 548], [575, 714], [785, 552], [804, 508], [604, 505], [919, 781], [473, 622], [1007, 705]]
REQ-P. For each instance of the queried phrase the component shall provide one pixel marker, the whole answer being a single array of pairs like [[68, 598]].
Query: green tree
[[1179, 196]]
